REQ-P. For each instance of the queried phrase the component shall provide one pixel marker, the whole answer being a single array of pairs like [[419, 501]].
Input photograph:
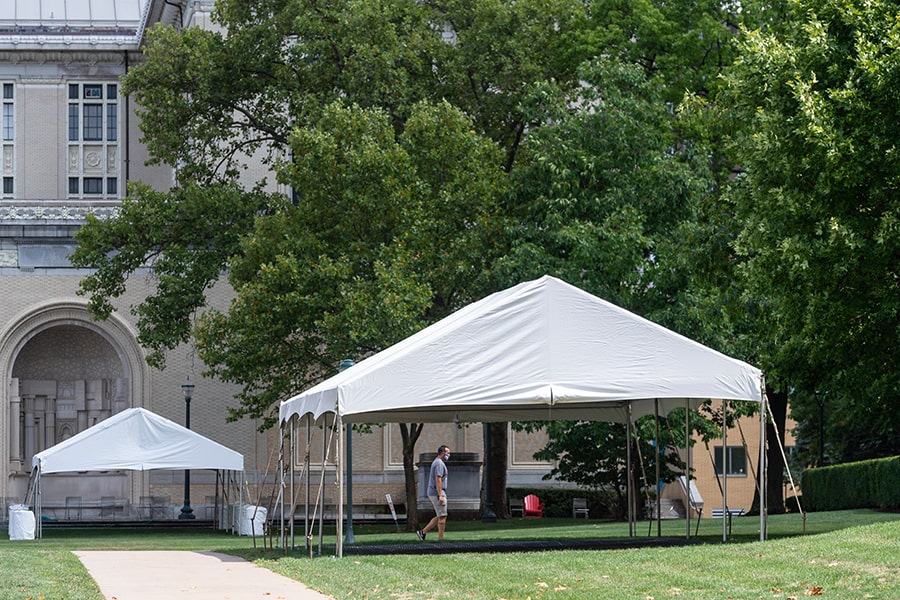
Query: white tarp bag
[[253, 520], [21, 522]]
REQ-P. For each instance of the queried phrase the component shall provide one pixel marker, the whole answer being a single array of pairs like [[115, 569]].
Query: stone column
[[49, 423], [121, 401], [15, 424], [29, 428]]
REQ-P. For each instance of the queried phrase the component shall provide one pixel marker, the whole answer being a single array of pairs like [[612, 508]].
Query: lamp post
[[349, 537], [188, 389]]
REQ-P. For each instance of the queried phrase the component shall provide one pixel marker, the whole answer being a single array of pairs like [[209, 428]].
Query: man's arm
[[439, 484]]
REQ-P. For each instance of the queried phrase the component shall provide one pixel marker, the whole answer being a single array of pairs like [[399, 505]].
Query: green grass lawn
[[845, 555]]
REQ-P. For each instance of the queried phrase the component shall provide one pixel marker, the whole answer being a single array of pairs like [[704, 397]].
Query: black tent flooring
[[496, 546]]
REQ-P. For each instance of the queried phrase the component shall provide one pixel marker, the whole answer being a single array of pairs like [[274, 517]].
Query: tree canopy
[[818, 204], [427, 154]]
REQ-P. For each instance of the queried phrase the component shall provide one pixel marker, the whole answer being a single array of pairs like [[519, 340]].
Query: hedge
[[865, 484]]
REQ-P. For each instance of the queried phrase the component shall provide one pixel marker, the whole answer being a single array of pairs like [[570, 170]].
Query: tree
[[392, 258], [211, 101], [392, 232], [818, 203], [603, 188]]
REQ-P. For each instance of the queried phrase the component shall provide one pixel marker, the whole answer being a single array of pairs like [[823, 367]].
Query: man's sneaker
[[421, 534]]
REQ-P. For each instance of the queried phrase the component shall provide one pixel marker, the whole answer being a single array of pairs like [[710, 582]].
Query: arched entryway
[[65, 373]]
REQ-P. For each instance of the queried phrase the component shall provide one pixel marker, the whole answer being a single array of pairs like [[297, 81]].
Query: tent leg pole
[[725, 462], [687, 468], [656, 462], [321, 495], [763, 466], [628, 491], [291, 475], [281, 485], [37, 505], [306, 463], [339, 526]]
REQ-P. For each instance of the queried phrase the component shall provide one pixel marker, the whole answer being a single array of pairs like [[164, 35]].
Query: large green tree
[[213, 101], [819, 205], [393, 198]]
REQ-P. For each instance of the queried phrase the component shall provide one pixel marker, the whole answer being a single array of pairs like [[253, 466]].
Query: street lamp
[[349, 538], [188, 389]]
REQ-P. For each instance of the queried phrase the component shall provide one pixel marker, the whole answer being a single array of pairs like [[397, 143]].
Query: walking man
[[437, 493]]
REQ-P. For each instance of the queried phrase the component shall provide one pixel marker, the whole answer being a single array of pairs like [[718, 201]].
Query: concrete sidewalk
[[161, 575]]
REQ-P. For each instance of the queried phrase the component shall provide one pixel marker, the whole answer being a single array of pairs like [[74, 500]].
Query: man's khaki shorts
[[439, 509]]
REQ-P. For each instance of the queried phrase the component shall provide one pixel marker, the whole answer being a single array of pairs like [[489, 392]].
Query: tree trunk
[[778, 402], [410, 432], [499, 460]]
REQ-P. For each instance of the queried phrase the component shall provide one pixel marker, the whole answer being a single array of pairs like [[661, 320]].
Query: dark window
[[73, 122], [74, 188], [112, 186], [7, 91], [9, 122], [7, 185], [93, 92], [112, 91], [737, 460], [93, 122], [93, 185], [73, 91], [112, 122]]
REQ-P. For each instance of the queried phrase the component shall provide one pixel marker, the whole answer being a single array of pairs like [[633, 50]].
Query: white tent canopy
[[540, 350], [137, 440], [134, 440]]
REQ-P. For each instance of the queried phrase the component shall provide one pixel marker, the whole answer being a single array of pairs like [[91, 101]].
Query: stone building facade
[[70, 142]]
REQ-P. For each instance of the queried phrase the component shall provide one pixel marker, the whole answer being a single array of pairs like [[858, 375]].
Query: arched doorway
[[69, 378], [65, 373]]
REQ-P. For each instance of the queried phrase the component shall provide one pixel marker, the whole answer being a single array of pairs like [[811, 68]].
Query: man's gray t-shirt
[[438, 468]]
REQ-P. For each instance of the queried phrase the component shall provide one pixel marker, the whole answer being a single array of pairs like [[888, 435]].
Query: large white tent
[[137, 440], [541, 350]]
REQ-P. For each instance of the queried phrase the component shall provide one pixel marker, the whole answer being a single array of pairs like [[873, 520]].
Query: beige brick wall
[[740, 488]]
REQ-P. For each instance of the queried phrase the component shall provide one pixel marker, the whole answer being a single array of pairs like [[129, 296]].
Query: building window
[[736, 464], [93, 185], [88, 105], [73, 122], [8, 139], [93, 92], [93, 132], [93, 122], [112, 122], [9, 113]]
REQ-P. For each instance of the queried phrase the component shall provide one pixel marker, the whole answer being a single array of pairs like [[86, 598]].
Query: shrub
[[864, 484]]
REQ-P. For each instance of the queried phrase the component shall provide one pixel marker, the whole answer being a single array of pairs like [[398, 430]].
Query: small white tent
[[541, 350], [134, 439]]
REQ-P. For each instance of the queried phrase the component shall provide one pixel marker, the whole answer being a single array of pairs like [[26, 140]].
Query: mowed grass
[[844, 555]]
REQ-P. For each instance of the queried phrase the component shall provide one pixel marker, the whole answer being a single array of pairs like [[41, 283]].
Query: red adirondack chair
[[533, 506]]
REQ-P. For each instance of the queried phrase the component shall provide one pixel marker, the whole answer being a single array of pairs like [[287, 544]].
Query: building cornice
[[50, 212], [68, 55]]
